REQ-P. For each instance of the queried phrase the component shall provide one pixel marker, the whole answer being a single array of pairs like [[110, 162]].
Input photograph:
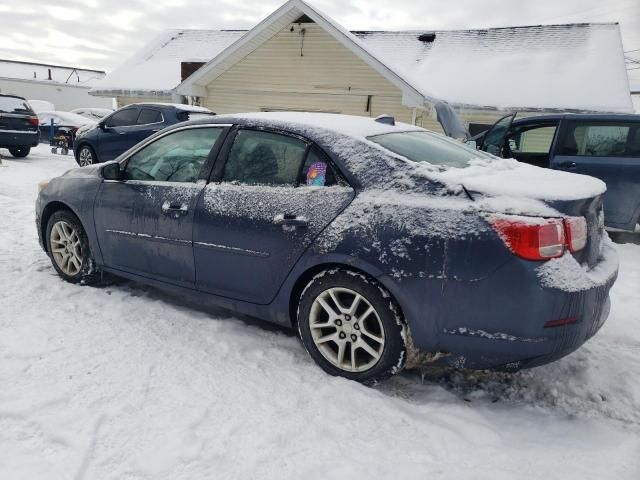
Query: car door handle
[[287, 220], [123, 133], [568, 165], [174, 210]]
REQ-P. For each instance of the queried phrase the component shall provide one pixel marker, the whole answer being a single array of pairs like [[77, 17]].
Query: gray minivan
[[606, 146]]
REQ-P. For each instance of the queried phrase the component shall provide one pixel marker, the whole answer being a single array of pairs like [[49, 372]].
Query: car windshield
[[427, 147], [14, 105]]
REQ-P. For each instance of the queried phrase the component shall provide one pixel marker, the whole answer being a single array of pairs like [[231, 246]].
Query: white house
[[300, 59], [66, 87]]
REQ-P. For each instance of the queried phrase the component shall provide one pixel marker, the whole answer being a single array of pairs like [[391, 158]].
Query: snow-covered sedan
[[382, 243]]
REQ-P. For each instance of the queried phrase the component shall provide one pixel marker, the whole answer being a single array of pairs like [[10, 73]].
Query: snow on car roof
[[351, 125]]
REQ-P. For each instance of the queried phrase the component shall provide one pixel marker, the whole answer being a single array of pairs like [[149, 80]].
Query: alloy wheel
[[65, 246], [346, 329], [86, 157]]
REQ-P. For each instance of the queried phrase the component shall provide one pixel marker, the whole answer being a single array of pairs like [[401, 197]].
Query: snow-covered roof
[[155, 70], [40, 72], [573, 66]]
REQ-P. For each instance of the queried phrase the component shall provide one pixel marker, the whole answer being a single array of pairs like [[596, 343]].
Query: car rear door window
[[598, 139], [177, 157], [317, 170], [123, 118], [148, 116], [264, 158]]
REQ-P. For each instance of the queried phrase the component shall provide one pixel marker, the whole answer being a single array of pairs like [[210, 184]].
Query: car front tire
[[68, 248], [86, 156], [19, 152], [352, 327]]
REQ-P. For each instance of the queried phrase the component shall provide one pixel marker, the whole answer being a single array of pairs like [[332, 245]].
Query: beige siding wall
[[306, 72]]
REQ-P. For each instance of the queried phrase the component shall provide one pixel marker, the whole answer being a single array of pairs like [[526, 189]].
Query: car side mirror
[[112, 171]]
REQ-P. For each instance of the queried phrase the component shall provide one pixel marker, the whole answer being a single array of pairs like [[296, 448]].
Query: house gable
[[303, 67]]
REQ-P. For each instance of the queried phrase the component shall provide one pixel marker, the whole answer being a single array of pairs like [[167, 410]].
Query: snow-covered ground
[[122, 382]]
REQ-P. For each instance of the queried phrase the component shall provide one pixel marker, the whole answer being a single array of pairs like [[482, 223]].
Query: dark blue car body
[[605, 146], [467, 299], [110, 137]]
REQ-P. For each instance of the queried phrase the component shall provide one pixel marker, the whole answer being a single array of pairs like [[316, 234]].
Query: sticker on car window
[[317, 174]]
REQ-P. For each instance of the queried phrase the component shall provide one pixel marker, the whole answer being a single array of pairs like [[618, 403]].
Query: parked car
[[121, 130], [377, 241], [92, 113], [41, 105], [66, 122], [606, 146], [18, 125]]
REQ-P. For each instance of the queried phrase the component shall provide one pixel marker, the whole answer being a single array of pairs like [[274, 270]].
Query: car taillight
[[535, 238], [34, 121], [531, 238], [576, 228]]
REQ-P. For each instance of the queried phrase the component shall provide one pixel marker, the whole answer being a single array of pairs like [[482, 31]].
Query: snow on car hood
[[508, 177]]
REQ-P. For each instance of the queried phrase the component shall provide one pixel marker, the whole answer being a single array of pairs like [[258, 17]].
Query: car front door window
[[177, 157]]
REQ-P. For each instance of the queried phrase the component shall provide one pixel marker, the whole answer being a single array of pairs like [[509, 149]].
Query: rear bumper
[[19, 138], [499, 322]]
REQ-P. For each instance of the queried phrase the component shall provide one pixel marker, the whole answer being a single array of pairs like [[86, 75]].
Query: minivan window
[[428, 147], [536, 139], [14, 105], [601, 139], [123, 118]]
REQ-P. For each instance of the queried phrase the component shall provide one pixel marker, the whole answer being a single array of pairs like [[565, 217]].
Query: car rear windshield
[[427, 147], [14, 105]]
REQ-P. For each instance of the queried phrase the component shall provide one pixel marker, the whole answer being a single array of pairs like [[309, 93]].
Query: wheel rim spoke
[[327, 338], [334, 297], [327, 308], [367, 348], [342, 346]]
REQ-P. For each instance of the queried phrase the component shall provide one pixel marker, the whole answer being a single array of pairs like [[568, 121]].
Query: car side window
[[598, 139], [264, 158], [177, 157], [148, 116], [123, 118], [317, 170]]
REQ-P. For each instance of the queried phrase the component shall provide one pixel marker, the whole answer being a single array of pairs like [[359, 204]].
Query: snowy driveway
[[122, 382]]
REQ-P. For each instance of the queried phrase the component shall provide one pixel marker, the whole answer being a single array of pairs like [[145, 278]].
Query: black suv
[[18, 125]]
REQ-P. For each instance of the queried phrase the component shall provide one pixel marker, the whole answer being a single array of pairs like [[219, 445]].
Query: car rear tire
[[20, 152], [352, 327], [86, 156], [68, 248]]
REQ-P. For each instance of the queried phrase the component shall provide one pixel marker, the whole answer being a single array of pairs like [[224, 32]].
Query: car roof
[[305, 123], [579, 116], [176, 106]]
